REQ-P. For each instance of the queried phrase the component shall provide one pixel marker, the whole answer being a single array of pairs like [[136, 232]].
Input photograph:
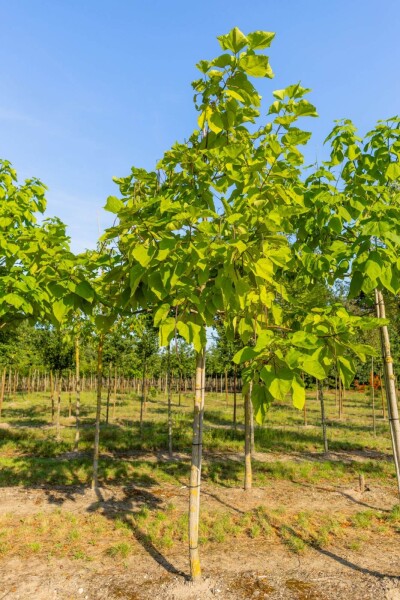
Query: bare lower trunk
[[390, 384], [52, 395], [78, 393], [195, 470], [169, 393], [235, 398], [114, 394], [252, 443], [382, 394], [3, 387], [323, 418], [143, 398], [373, 397], [248, 476], [58, 413], [69, 395], [95, 479], [108, 393]]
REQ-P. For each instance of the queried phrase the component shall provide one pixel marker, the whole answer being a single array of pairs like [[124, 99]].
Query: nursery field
[[314, 526]]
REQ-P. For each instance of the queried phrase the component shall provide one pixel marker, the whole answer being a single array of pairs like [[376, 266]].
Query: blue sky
[[91, 87]]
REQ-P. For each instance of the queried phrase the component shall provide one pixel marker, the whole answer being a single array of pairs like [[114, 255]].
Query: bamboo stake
[[95, 479], [195, 471], [390, 387]]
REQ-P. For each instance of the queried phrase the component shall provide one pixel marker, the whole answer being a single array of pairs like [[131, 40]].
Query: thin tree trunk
[[195, 470], [3, 386], [78, 393], [234, 398], [108, 392], [305, 405], [373, 397], [58, 413], [52, 395], [95, 479], [69, 395], [252, 443], [340, 399], [323, 419], [390, 386], [114, 393], [382, 394], [169, 393], [142, 398], [226, 387], [248, 476]]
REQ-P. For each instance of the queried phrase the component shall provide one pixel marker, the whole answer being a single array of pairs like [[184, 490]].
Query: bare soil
[[232, 570]]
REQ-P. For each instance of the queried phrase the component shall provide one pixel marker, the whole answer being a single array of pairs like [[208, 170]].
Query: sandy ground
[[231, 571]]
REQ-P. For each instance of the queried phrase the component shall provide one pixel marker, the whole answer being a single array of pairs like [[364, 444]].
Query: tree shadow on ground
[[341, 493], [125, 509], [328, 553]]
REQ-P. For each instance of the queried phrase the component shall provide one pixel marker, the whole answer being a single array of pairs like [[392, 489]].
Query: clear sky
[[91, 87]]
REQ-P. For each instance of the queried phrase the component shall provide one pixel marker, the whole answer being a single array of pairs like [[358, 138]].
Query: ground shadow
[[129, 505]]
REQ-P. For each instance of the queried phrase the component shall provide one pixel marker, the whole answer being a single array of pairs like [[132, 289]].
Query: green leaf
[[258, 40], [390, 279], [256, 65], [135, 277], [314, 367], [356, 284], [104, 322], [13, 300], [85, 290], [373, 266], [243, 355], [215, 122], [303, 339], [346, 370], [264, 268], [393, 171], [113, 205], [278, 381], [59, 310], [166, 330], [298, 392], [305, 109], [161, 314], [143, 255], [235, 40], [261, 400]]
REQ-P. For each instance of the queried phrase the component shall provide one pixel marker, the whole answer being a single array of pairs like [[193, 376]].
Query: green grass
[[30, 454]]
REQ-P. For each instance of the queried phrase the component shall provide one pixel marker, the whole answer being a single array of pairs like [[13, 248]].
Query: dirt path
[[294, 496], [234, 570], [230, 574]]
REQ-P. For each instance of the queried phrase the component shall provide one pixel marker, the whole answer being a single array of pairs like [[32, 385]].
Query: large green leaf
[[235, 40], [59, 310], [346, 370], [261, 399], [113, 205], [143, 255], [393, 171], [166, 331], [258, 40], [256, 65], [278, 381], [161, 314], [298, 392], [85, 290], [243, 355]]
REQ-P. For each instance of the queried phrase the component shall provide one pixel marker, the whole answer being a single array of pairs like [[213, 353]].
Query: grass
[[91, 537], [287, 450], [30, 454]]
